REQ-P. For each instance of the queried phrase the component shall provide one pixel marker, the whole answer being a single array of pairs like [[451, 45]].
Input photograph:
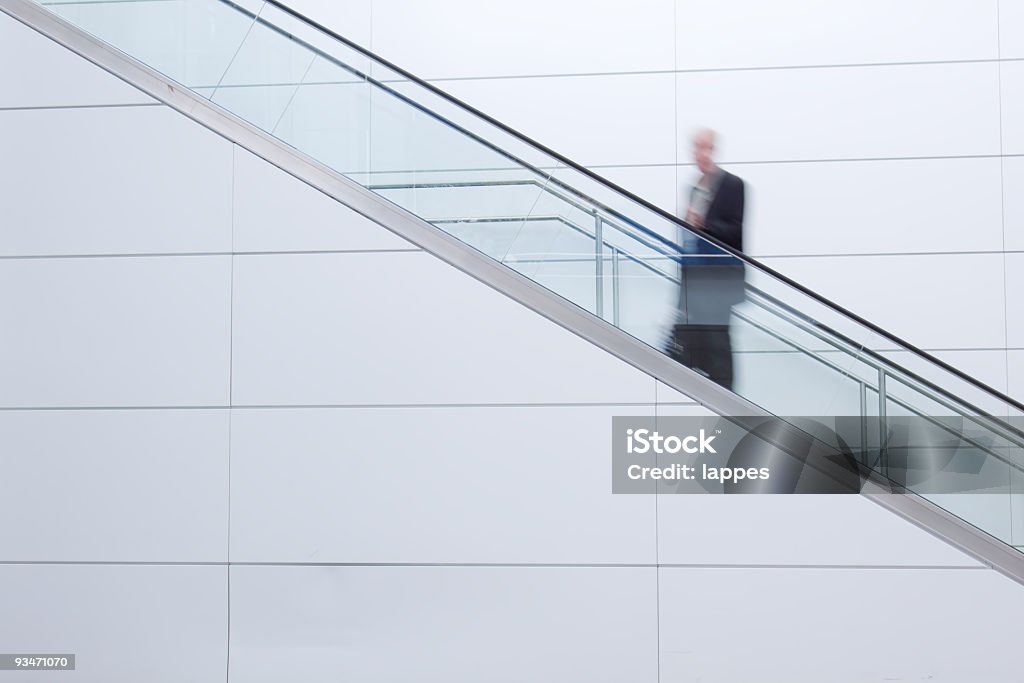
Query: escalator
[[568, 244]]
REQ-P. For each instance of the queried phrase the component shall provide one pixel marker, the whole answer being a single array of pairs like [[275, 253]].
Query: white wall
[[867, 128], [262, 400], [114, 366]]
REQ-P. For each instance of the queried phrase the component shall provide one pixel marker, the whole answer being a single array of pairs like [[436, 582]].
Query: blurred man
[[716, 200], [711, 279]]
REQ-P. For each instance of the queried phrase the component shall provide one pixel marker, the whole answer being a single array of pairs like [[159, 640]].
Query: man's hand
[[695, 219]]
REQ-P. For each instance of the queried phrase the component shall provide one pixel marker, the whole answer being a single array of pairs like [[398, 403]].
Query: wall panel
[[838, 530], [115, 331], [1013, 203], [1014, 265], [1011, 78], [163, 624], [443, 624], [793, 625], [126, 180], [748, 33], [114, 486], [433, 485], [1015, 362], [848, 113], [1011, 29], [871, 207]]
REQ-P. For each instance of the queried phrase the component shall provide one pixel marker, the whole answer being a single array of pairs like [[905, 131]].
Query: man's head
[[704, 149]]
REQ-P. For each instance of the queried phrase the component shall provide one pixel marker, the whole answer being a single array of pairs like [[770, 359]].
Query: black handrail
[[638, 200]]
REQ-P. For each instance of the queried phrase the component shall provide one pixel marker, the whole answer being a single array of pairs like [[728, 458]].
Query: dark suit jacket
[[724, 219]]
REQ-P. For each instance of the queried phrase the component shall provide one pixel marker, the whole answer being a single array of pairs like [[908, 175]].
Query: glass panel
[[645, 298], [191, 41]]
